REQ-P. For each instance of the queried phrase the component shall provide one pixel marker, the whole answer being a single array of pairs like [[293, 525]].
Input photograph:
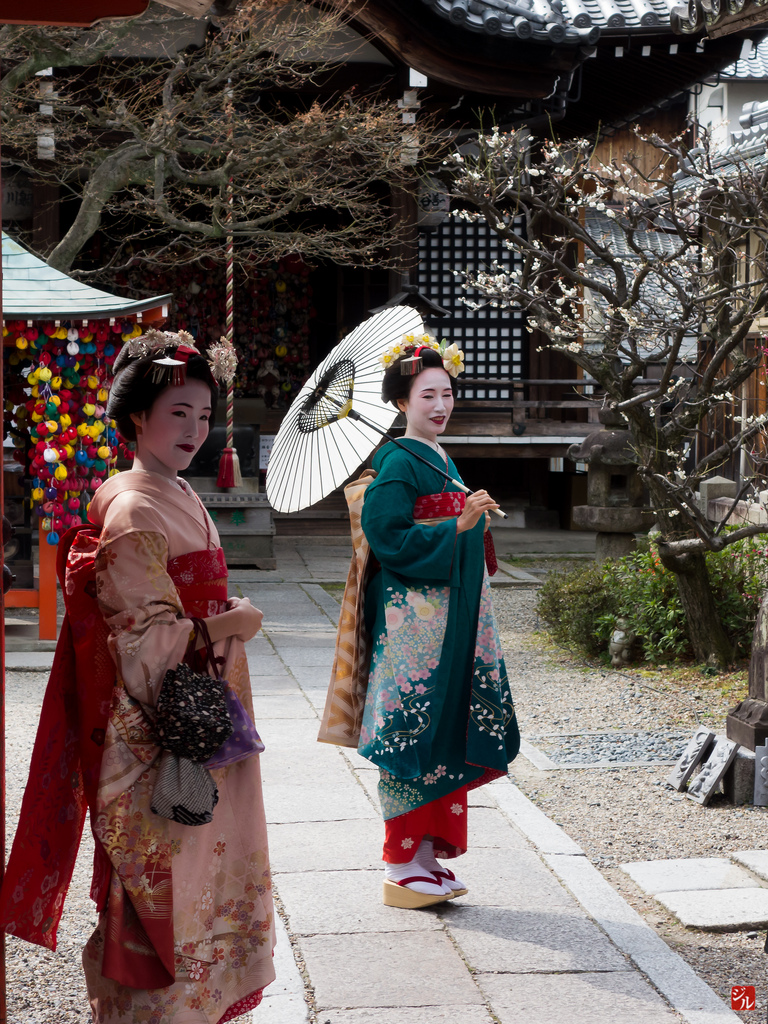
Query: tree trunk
[[113, 174], [705, 628]]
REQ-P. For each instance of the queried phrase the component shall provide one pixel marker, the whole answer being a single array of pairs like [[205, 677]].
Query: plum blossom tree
[[654, 283]]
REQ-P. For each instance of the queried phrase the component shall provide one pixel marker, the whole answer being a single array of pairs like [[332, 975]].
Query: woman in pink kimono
[[185, 930]]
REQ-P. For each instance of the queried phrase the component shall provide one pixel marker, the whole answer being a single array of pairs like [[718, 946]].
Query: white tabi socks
[[425, 858], [430, 886]]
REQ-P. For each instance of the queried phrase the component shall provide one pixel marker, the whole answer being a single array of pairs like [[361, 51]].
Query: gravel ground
[[44, 987], [628, 814]]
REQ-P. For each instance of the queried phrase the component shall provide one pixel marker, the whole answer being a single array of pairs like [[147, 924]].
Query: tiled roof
[[754, 66], [656, 299], [33, 290], [563, 22], [556, 21]]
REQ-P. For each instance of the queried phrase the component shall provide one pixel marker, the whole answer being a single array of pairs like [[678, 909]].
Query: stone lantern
[[614, 489]]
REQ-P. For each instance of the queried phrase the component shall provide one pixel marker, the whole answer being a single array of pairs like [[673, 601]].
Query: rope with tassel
[[229, 463]]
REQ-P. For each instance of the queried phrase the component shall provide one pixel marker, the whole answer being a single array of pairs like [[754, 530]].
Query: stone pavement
[[541, 937], [710, 893]]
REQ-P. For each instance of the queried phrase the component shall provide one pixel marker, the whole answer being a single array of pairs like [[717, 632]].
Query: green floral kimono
[[439, 712]]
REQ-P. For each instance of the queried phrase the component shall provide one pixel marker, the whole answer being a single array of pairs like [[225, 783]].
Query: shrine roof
[[753, 67], [563, 22], [32, 290], [557, 22]]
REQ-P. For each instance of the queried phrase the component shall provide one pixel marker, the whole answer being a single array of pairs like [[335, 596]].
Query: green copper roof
[[34, 291]]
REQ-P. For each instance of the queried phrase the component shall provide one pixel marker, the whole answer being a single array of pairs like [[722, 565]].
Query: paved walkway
[[540, 938]]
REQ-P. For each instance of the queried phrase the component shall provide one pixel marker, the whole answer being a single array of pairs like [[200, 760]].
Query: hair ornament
[[222, 360], [407, 353], [172, 371], [170, 350], [453, 358]]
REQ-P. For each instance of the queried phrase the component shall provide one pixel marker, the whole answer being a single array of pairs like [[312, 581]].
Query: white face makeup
[[429, 404], [170, 434]]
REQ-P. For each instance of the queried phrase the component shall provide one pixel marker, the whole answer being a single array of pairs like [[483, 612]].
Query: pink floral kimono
[[185, 931], [201, 894]]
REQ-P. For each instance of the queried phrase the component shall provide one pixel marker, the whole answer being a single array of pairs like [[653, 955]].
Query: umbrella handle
[[354, 415], [461, 486]]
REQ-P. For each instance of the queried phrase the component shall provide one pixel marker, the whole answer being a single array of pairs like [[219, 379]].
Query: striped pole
[[230, 313], [229, 464]]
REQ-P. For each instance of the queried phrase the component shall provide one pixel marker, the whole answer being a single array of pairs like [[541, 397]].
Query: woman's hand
[[249, 619], [478, 504]]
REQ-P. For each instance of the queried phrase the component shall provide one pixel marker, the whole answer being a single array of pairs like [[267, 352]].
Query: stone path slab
[[719, 910], [615, 998], [316, 846], [383, 970], [314, 803], [546, 939], [23, 661], [658, 876], [511, 878], [755, 860], [283, 1001], [328, 902], [410, 1015]]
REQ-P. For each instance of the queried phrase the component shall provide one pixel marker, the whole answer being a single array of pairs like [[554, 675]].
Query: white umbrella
[[337, 418], [319, 445]]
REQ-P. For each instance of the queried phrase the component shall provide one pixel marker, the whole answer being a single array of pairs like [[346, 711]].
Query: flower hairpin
[[222, 360], [407, 353], [172, 350]]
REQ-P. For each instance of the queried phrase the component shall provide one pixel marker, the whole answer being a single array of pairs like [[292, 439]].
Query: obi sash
[[201, 581], [446, 505], [66, 759]]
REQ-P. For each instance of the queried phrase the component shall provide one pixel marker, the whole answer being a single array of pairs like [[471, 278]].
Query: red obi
[[439, 506], [201, 580], [446, 505]]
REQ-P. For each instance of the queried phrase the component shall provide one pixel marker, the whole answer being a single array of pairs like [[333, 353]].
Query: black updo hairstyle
[[398, 385], [133, 389]]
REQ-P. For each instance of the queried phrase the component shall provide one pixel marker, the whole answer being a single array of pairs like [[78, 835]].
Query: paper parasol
[[319, 445]]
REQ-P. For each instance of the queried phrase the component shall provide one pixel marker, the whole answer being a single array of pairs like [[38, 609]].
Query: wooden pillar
[[405, 213], [45, 216]]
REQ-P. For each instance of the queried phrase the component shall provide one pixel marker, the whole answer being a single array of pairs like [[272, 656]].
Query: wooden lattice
[[494, 340]]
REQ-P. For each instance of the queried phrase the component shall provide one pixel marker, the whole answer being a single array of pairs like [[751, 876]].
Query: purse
[[184, 790], [192, 716], [244, 740]]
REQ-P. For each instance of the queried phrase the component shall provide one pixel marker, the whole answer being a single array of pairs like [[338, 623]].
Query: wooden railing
[[520, 399]]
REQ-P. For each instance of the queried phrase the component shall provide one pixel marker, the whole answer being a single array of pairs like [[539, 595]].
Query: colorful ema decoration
[[57, 416], [274, 312], [408, 354]]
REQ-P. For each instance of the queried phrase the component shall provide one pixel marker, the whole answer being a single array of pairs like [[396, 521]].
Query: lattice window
[[494, 340]]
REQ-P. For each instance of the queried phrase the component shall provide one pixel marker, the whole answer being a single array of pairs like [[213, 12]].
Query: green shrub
[[644, 593], [571, 601], [581, 606]]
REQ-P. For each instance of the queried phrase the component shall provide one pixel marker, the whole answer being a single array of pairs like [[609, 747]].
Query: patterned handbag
[[184, 791], [192, 717], [244, 740]]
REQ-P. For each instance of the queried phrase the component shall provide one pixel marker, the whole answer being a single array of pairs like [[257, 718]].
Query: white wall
[[719, 107]]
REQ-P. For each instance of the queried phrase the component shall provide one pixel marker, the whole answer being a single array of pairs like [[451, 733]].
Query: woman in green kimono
[[439, 718]]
